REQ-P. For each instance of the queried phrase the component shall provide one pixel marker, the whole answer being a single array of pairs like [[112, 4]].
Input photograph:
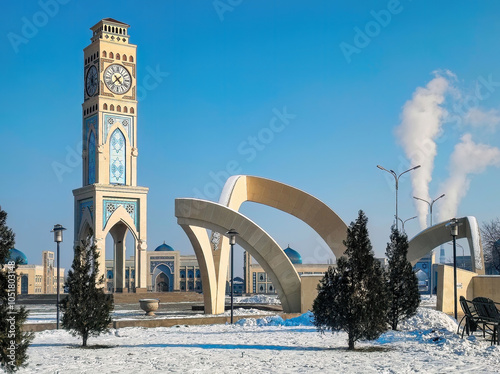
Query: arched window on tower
[[125, 109], [105, 106], [91, 158], [131, 59], [118, 108], [124, 57], [117, 56], [111, 55], [132, 110], [104, 54], [112, 107], [117, 158]]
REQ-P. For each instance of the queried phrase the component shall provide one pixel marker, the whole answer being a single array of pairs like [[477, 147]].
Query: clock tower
[[109, 201]]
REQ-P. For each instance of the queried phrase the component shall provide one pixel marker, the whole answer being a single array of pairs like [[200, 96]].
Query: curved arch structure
[[193, 214], [307, 208], [436, 235]]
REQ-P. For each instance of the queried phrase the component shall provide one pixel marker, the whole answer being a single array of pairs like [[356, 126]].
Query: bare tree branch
[[490, 235]]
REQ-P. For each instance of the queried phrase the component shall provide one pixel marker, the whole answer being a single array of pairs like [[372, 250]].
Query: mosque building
[[258, 282], [167, 271], [36, 279]]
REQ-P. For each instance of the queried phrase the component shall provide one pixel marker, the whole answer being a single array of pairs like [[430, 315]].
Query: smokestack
[[467, 158], [421, 122]]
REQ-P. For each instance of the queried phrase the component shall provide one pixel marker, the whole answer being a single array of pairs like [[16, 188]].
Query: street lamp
[[58, 238], [453, 224], [396, 178], [429, 203], [403, 222], [232, 240]]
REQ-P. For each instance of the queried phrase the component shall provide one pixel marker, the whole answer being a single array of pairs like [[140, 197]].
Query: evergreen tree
[[353, 296], [87, 309], [14, 342], [404, 297]]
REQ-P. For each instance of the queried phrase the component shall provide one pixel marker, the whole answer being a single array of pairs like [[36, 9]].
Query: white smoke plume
[[421, 123], [467, 158]]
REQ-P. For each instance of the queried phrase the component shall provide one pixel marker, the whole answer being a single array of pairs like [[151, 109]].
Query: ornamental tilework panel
[[154, 264], [84, 204], [126, 121], [91, 159], [117, 158], [109, 207], [90, 123]]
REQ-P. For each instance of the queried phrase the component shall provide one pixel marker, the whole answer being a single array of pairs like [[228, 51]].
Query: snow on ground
[[426, 343], [258, 299], [47, 314], [428, 300]]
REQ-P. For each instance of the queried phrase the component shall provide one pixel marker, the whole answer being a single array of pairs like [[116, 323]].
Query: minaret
[[109, 200]]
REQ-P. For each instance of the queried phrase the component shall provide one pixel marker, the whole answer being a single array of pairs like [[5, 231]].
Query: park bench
[[480, 313]]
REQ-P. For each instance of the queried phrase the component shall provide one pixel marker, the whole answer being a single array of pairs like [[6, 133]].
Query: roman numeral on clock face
[[117, 79]]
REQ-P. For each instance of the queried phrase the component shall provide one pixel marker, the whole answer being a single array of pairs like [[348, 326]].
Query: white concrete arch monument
[[196, 215]]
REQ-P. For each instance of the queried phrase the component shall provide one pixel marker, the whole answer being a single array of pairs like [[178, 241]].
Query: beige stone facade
[[109, 201], [258, 282], [167, 271], [39, 279]]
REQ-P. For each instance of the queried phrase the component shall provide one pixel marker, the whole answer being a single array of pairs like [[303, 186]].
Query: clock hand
[[117, 78]]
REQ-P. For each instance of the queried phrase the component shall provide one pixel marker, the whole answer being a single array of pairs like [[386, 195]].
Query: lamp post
[[453, 224], [429, 203], [232, 240], [58, 238], [396, 179], [403, 222]]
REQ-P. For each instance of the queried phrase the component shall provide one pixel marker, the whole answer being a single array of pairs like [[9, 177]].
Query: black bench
[[480, 314]]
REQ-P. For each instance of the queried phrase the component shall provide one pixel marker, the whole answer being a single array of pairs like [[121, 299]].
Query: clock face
[[117, 79], [91, 82]]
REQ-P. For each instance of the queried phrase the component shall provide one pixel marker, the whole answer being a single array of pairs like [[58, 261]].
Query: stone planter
[[149, 306]]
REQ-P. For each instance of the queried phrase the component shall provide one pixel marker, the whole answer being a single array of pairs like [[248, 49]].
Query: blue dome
[[293, 255], [17, 256], [164, 248]]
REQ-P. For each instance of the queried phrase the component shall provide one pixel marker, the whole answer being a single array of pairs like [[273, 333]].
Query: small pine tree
[[87, 309], [402, 282], [14, 342], [353, 297]]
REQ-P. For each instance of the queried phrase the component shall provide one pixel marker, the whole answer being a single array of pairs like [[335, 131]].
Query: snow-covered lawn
[[427, 344]]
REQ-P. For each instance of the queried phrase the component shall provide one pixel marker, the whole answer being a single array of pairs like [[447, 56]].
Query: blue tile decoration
[[90, 124], [127, 123], [154, 264], [109, 207], [82, 205], [91, 159], [117, 158]]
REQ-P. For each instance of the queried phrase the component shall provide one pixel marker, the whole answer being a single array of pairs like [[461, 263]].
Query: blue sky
[[223, 69]]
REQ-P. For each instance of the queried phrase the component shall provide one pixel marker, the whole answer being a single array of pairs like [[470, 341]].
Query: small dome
[[164, 248], [17, 256], [293, 255]]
